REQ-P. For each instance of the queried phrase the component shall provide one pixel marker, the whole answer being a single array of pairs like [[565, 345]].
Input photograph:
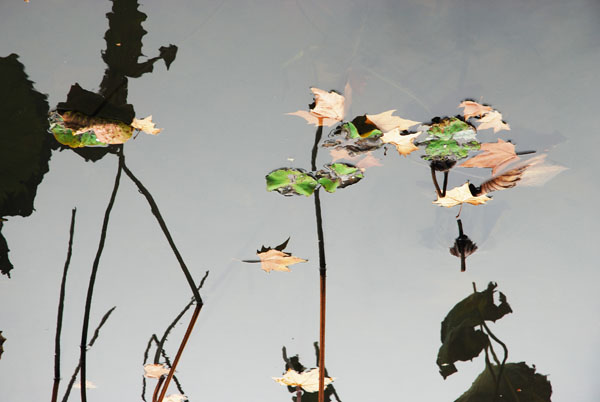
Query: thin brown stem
[[186, 336], [435, 183], [298, 393]]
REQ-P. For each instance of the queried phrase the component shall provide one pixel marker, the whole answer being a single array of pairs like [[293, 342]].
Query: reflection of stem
[[90, 292], [94, 337], [180, 351], [163, 226], [61, 305], [172, 325], [154, 339], [445, 183], [322, 269], [494, 337]]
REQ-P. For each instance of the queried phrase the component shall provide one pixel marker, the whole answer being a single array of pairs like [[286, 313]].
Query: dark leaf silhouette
[[460, 340], [519, 383], [2, 340]]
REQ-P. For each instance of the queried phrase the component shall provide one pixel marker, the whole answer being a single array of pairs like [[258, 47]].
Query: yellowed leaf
[[328, 109], [472, 109], [146, 125], [495, 155], [492, 120], [386, 121], [155, 370], [308, 380], [275, 260], [460, 195], [404, 143]]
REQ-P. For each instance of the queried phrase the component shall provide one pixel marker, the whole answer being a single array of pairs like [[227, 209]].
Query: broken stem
[[90, 291], [61, 305]]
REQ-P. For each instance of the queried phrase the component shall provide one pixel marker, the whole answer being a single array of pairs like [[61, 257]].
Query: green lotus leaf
[[290, 181]]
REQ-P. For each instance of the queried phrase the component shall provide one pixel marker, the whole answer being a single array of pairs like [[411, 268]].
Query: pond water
[[237, 71]]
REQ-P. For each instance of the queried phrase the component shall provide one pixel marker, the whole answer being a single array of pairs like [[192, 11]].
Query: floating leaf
[[175, 398], [146, 125], [493, 120], [76, 130], [155, 370], [495, 155], [88, 385], [449, 139], [275, 260], [460, 195], [357, 136], [308, 380], [338, 175], [403, 142], [386, 121], [290, 181], [460, 340], [368, 161], [472, 109], [519, 383], [327, 109]]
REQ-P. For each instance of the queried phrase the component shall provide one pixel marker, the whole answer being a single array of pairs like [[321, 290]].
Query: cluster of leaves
[[465, 335], [450, 139], [293, 181]]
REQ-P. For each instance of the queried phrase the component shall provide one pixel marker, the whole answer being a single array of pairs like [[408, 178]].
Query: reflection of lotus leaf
[[519, 383], [460, 341]]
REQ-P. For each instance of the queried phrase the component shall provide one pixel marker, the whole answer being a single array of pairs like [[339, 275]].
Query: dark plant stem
[[525, 152], [90, 292], [298, 393], [165, 230], [435, 183], [94, 338], [180, 351], [61, 305], [322, 269], [161, 343]]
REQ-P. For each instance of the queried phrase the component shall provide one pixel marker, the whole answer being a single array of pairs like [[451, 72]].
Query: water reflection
[[463, 247]]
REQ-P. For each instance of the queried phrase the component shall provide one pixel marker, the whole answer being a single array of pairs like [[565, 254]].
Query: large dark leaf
[[460, 340], [519, 383]]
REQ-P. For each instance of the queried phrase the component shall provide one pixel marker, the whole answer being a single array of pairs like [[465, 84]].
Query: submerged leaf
[[308, 380], [519, 383]]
